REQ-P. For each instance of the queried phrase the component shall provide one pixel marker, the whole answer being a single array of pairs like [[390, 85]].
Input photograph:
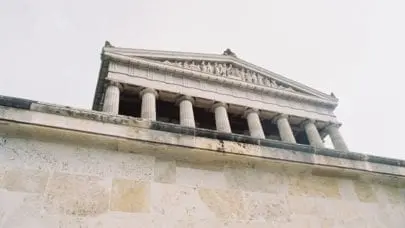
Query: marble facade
[[214, 75]]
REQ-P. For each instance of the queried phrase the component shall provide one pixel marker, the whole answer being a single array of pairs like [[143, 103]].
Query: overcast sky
[[50, 50]]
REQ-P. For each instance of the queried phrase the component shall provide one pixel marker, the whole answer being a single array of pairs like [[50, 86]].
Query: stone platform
[[66, 167]]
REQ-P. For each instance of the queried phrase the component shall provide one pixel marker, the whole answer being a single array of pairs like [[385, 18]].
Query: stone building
[[190, 140]]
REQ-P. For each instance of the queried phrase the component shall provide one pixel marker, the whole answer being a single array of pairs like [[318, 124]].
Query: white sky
[[50, 50]]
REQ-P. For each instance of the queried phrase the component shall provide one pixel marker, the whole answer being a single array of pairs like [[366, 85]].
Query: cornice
[[158, 54], [174, 69]]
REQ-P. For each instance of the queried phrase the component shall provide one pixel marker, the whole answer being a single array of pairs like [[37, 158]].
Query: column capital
[[333, 124], [250, 110], [148, 90], [114, 83], [280, 116], [307, 121], [219, 104], [181, 98]]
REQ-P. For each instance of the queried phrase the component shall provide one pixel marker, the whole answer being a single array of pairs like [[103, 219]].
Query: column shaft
[[221, 118], [312, 133], [112, 99], [148, 108], [284, 129], [186, 111], [337, 139], [255, 126]]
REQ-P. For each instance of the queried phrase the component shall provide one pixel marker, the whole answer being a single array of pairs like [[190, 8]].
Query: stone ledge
[[122, 127]]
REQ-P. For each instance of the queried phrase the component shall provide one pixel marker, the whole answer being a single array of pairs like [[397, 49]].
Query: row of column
[[148, 111]]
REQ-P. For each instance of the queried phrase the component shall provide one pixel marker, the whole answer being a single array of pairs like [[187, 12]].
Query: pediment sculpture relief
[[228, 70]]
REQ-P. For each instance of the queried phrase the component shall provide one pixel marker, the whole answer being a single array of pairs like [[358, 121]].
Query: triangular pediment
[[222, 65]]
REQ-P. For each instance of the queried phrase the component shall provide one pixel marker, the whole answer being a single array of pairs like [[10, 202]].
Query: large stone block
[[389, 194], [175, 202], [31, 154], [165, 171], [225, 204], [25, 180], [365, 191], [77, 194], [130, 196], [121, 220], [107, 163], [266, 207], [164, 222], [314, 186], [201, 174], [247, 178], [22, 210]]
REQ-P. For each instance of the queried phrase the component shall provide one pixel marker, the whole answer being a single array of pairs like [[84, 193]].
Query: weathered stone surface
[[165, 171], [226, 204], [2, 174], [203, 174], [364, 191], [31, 154], [106, 188], [314, 186], [175, 202], [248, 178], [107, 163], [165, 222], [121, 220], [25, 180], [22, 210], [390, 194], [267, 207], [130, 196], [77, 194], [347, 190]]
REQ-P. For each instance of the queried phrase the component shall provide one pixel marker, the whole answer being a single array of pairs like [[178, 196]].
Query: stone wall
[[55, 183]]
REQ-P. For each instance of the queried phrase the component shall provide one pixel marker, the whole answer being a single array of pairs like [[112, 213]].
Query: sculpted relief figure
[[194, 66], [224, 70], [204, 67], [241, 74], [248, 76], [290, 89], [267, 82], [185, 65], [273, 84], [220, 69], [260, 79], [254, 77]]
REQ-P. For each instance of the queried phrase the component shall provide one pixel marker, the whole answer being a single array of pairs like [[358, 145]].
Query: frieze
[[230, 71]]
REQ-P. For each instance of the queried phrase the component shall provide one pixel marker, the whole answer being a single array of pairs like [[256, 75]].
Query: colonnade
[[148, 111]]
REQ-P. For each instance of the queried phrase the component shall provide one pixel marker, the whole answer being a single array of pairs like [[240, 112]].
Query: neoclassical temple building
[[215, 91], [189, 140]]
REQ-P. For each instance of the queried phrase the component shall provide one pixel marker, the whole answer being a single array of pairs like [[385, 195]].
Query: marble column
[[112, 98], [255, 126], [148, 108], [312, 133], [221, 117], [186, 111], [336, 137], [284, 128]]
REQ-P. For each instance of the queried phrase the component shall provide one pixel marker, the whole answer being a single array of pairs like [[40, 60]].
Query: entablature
[[167, 77], [240, 69]]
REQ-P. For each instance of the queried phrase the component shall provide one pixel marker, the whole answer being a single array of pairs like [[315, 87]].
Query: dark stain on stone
[[221, 147], [16, 102]]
